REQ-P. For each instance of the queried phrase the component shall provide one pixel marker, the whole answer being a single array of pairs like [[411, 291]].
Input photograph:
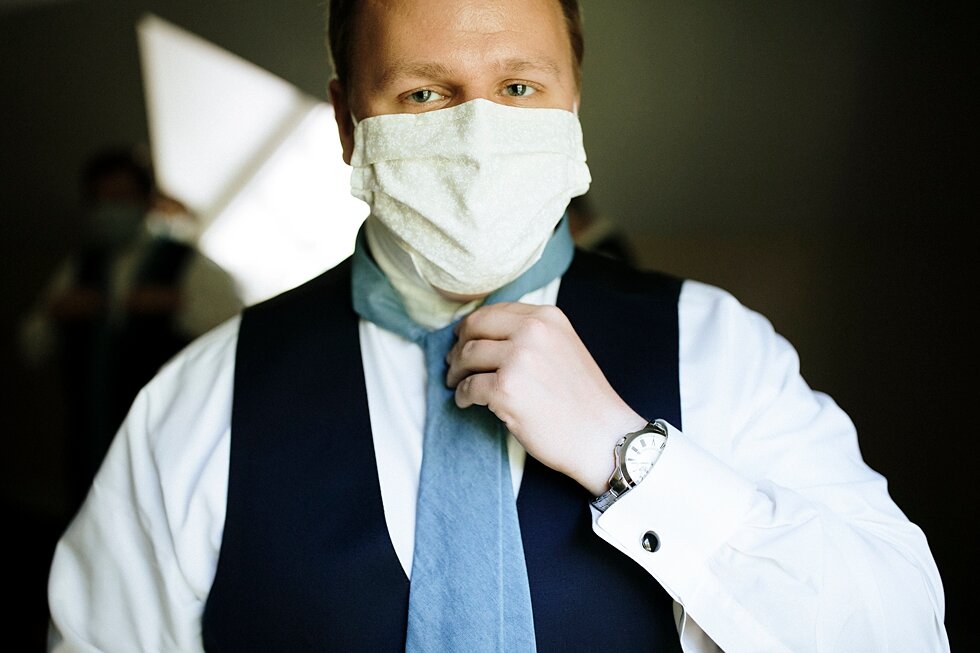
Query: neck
[[428, 306]]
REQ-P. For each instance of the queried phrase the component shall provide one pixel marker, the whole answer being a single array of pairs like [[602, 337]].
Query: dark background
[[807, 156]]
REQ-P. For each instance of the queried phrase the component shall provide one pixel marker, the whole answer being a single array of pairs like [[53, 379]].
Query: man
[[279, 483], [133, 295]]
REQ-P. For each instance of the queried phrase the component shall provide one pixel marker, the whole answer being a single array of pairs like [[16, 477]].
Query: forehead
[[460, 33]]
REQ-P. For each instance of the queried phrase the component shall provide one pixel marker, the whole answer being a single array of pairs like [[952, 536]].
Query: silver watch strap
[[605, 500]]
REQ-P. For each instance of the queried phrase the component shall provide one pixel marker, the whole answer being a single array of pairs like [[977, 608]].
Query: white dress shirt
[[774, 534]]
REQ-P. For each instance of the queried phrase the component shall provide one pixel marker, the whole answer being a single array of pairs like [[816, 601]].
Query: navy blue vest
[[306, 563]]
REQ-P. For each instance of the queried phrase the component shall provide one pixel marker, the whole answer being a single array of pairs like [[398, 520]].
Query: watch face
[[640, 453]]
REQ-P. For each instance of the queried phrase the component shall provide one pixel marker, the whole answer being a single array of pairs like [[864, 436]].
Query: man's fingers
[[472, 356], [500, 321], [476, 389]]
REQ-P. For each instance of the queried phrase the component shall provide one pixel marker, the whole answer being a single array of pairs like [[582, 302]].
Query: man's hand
[[528, 366]]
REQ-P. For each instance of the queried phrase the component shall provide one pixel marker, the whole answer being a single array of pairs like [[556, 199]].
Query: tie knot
[[440, 339], [376, 300]]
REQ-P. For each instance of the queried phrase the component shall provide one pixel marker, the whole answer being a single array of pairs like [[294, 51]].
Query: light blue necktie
[[469, 588]]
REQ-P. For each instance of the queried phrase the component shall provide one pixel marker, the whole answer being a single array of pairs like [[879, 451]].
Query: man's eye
[[424, 96], [519, 90]]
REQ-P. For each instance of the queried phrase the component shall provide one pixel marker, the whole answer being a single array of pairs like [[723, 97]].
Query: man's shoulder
[[200, 369], [707, 308], [311, 312], [330, 286], [597, 290], [178, 427], [597, 269], [732, 356], [701, 305]]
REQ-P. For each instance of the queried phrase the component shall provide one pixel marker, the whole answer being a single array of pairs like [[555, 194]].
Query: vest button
[[650, 541]]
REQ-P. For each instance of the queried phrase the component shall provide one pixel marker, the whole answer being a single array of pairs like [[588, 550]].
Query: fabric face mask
[[472, 192]]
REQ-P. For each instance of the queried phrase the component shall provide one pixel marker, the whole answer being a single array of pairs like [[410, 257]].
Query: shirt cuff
[[691, 502]]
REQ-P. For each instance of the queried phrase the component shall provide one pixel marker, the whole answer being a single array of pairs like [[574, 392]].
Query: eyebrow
[[422, 69], [524, 65], [433, 70]]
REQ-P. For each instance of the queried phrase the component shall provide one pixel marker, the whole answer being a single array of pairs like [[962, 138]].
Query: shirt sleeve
[[130, 573], [773, 533]]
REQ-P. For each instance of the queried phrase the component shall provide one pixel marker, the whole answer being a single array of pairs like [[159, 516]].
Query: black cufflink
[[650, 541]]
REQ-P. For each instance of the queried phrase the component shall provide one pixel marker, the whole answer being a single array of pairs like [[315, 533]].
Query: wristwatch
[[635, 455]]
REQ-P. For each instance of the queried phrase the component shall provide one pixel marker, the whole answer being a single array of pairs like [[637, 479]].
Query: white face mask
[[472, 192]]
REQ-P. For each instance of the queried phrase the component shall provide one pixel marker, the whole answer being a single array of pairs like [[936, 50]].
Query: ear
[[342, 114]]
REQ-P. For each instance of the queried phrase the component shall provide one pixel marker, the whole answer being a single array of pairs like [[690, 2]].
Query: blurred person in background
[[133, 294]]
